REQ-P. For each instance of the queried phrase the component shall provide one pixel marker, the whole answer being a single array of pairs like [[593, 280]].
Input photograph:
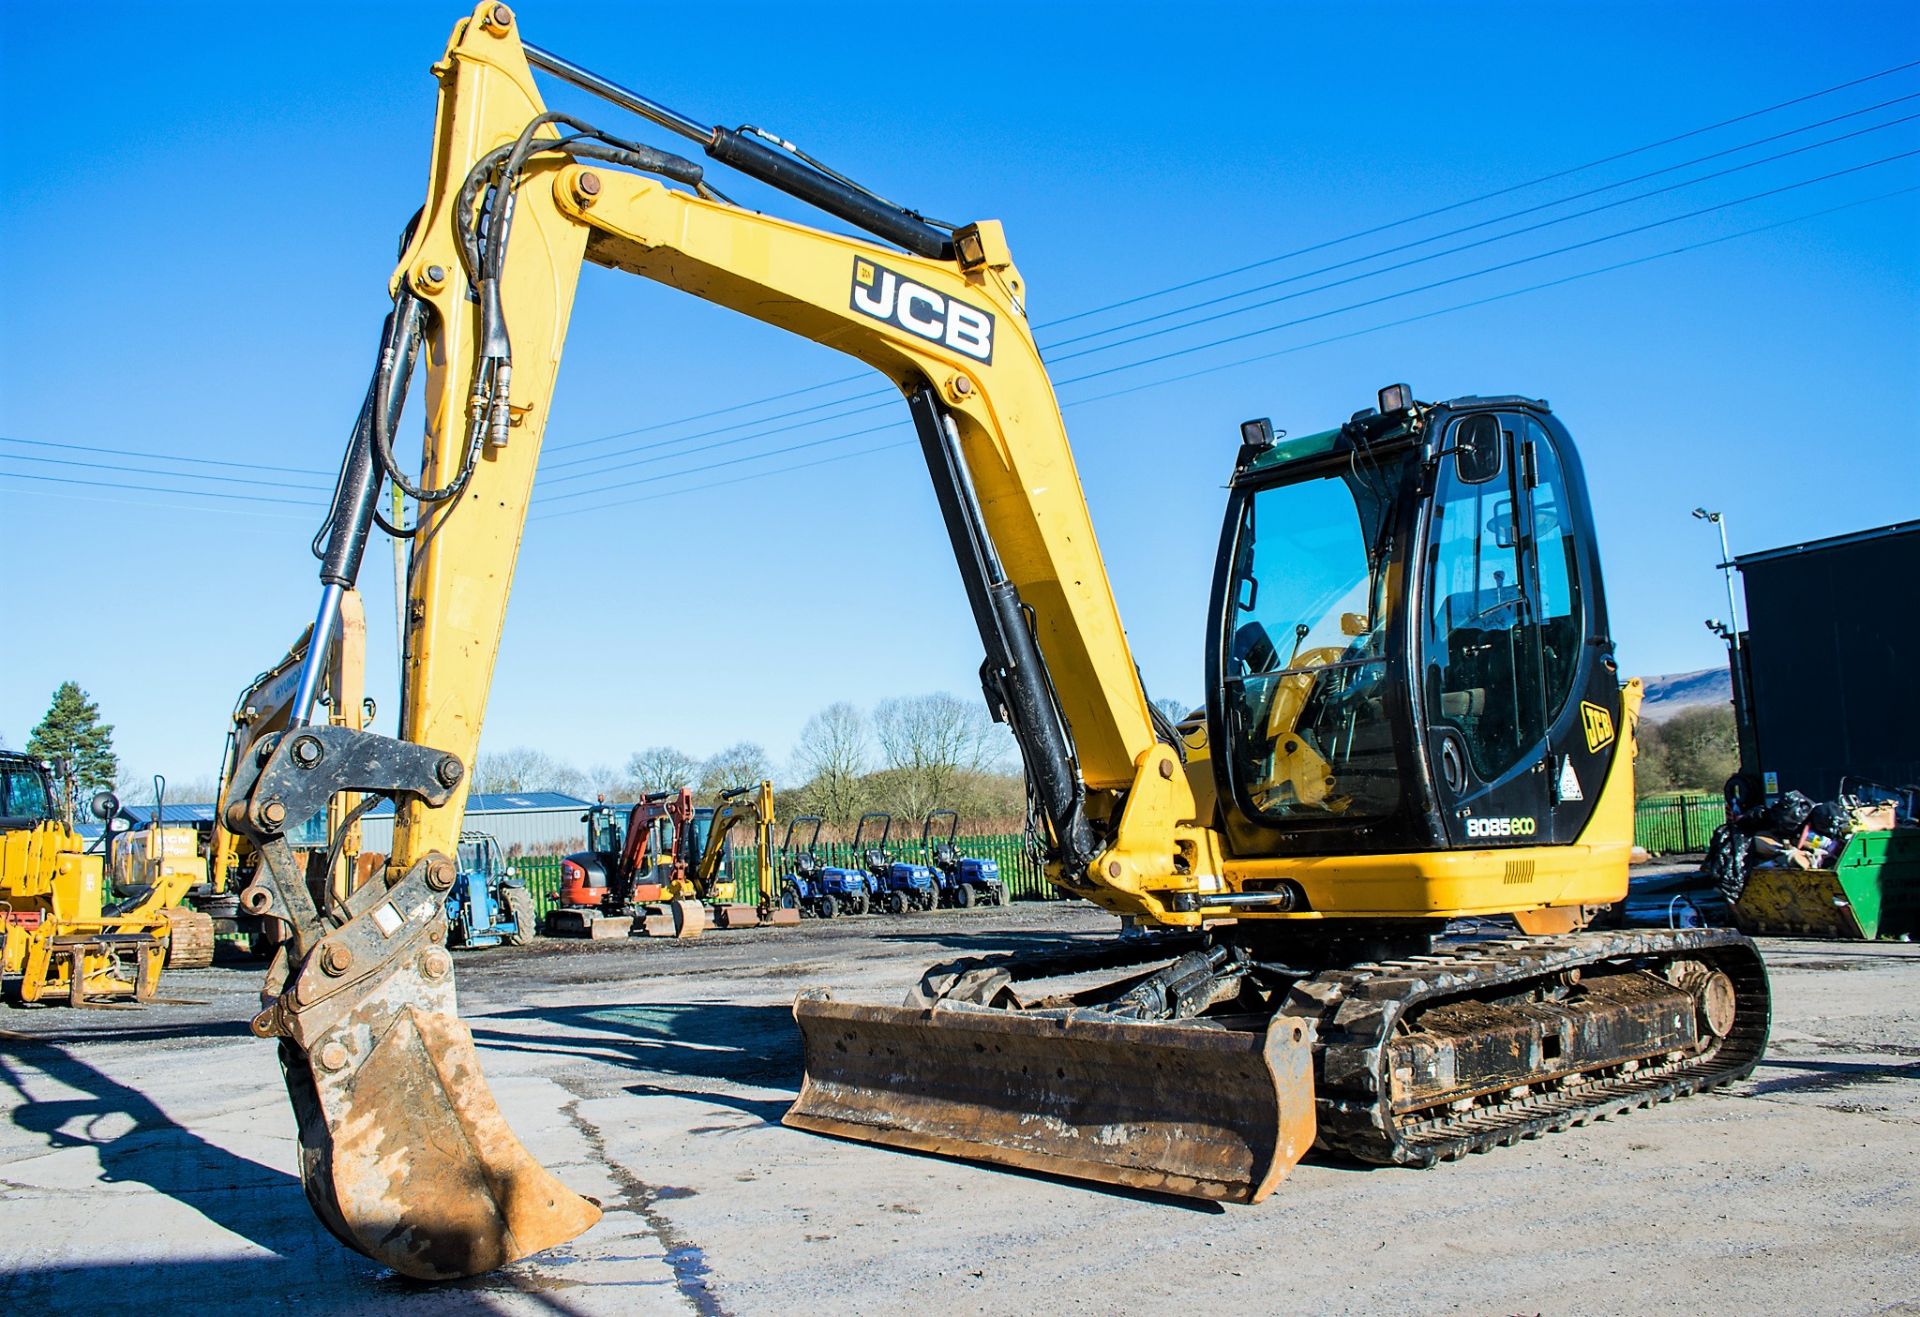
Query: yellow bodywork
[[56, 937], [811, 282], [729, 814]]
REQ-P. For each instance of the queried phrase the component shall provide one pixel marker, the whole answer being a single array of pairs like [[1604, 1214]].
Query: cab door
[[1483, 681]]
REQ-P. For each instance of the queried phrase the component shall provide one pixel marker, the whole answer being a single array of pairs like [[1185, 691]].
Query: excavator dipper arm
[[404, 1154]]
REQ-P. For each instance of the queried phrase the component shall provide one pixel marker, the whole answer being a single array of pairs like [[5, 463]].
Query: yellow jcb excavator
[[733, 808], [1413, 716]]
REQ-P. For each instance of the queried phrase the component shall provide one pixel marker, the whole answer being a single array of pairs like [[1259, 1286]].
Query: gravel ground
[[146, 1156]]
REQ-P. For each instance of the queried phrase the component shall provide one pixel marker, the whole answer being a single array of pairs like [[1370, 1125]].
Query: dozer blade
[[1182, 1108], [403, 1153]]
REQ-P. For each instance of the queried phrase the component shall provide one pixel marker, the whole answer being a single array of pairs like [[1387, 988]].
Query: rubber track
[[1356, 1011]]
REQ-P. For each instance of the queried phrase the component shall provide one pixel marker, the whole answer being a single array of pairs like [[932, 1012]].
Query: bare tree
[[523, 768], [740, 764], [182, 790], [662, 768], [930, 741], [1176, 710], [605, 782], [835, 751]]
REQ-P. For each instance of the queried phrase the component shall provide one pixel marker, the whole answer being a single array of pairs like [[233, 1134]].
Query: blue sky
[[201, 204]]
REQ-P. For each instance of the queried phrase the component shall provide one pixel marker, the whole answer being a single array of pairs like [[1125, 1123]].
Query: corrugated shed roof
[[171, 813], [506, 802]]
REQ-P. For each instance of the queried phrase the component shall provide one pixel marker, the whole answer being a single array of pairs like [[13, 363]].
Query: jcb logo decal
[[897, 300], [1599, 725]]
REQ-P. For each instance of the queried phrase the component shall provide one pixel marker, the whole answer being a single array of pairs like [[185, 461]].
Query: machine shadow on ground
[[752, 1045], [135, 1142], [155, 1151]]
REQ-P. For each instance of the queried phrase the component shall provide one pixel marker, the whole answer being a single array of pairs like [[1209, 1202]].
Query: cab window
[[1559, 572], [1307, 674], [1481, 642]]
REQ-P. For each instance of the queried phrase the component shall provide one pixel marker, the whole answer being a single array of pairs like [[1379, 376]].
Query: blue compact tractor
[[487, 904], [897, 885], [964, 880], [816, 889]]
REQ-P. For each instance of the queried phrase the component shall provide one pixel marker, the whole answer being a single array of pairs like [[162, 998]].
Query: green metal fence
[[1018, 870], [1677, 824], [541, 874], [1664, 825]]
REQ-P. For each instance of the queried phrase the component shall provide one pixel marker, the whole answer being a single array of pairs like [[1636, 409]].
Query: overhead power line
[[881, 396], [1088, 401], [1267, 356], [165, 457], [884, 397], [1298, 251], [116, 469], [154, 489], [1288, 324], [1531, 210], [1493, 269]]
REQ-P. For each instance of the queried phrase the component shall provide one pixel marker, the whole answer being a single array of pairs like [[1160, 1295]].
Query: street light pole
[[1742, 705], [1726, 570]]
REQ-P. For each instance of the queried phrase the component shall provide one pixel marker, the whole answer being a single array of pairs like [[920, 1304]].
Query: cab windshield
[[1316, 568], [23, 794]]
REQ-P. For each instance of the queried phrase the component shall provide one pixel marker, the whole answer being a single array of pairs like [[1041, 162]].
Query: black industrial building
[[1833, 661]]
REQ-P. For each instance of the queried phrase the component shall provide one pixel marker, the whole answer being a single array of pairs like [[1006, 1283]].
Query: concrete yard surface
[[147, 1163]]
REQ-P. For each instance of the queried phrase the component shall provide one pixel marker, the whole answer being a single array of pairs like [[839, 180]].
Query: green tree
[[1691, 751], [73, 734]]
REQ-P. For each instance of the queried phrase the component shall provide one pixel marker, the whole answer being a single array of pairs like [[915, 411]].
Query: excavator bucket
[[1182, 1108], [410, 1162], [403, 1152]]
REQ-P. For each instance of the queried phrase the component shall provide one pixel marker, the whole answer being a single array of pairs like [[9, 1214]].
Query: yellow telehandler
[[55, 933], [1413, 715]]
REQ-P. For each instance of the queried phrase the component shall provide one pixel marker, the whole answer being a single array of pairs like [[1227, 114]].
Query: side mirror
[[104, 805], [1480, 449]]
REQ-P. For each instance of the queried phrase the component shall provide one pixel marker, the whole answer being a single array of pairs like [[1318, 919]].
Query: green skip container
[[1872, 892]]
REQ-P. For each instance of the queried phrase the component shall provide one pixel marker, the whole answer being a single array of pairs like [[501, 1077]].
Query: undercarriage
[[1205, 1066]]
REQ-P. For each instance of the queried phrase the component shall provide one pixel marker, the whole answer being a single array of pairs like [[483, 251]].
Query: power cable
[[150, 489], [1490, 269], [1320, 315], [1300, 251], [1494, 297], [1529, 210], [1266, 356], [884, 396], [164, 457], [145, 471]]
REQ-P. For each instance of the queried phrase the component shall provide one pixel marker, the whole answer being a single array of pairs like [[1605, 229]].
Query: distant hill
[[1678, 692]]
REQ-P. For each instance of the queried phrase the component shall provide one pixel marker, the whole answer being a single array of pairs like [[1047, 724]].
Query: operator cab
[[25, 799], [1410, 648]]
